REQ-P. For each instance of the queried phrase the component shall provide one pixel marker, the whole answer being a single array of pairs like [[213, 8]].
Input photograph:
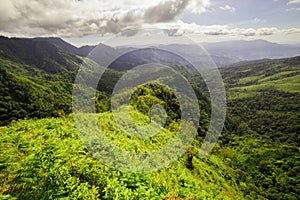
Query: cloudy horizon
[[83, 22]]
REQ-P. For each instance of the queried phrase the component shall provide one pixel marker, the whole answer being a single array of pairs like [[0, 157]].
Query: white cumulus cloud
[[293, 2], [292, 9], [228, 8], [73, 18], [180, 28]]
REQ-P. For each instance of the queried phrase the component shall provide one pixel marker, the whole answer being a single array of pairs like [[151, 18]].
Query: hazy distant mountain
[[137, 57], [229, 52], [198, 55], [252, 50], [103, 54], [82, 51], [222, 53]]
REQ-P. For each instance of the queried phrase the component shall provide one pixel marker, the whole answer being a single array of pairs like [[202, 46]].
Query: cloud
[[180, 28], [256, 21], [293, 2], [73, 18], [165, 11], [267, 31], [292, 9], [198, 6], [291, 31], [228, 8]]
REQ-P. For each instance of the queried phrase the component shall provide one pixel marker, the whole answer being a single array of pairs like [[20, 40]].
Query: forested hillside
[[42, 156], [263, 125], [266, 95], [36, 79]]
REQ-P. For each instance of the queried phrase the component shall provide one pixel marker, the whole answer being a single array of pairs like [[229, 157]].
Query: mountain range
[[222, 53], [256, 157]]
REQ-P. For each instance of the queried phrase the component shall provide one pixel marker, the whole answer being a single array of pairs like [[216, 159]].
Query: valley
[[43, 157]]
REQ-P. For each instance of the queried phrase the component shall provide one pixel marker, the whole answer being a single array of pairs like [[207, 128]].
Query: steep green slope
[[37, 79], [44, 159], [23, 97], [28, 92], [41, 54]]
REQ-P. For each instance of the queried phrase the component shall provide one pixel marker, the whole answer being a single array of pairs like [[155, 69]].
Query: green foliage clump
[[45, 159]]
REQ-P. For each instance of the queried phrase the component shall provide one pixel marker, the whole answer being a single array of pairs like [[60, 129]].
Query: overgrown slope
[[45, 159], [257, 156]]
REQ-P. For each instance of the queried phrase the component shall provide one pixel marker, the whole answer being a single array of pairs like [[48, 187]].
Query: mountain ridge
[[262, 127], [223, 53]]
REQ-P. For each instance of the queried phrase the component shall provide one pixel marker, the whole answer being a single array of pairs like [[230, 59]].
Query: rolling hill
[[36, 79], [256, 157]]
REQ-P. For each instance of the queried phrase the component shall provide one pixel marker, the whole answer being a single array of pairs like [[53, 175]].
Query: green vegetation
[[257, 156], [36, 79], [36, 89], [26, 97], [45, 159], [261, 138], [246, 79]]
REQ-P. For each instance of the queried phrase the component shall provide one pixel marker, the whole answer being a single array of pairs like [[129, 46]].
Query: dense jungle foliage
[[42, 156]]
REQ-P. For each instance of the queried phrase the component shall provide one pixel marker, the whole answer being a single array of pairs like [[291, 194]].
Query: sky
[[120, 22]]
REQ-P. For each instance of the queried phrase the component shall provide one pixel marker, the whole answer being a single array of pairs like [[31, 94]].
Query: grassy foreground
[[45, 159]]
